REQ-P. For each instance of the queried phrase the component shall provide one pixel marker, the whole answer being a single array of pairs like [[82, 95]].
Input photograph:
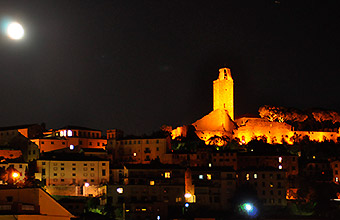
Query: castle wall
[[275, 132], [256, 127]]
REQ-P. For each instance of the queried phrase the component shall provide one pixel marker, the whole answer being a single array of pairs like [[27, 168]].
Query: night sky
[[136, 65]]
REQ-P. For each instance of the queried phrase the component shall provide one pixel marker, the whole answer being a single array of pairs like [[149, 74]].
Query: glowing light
[[152, 183], [280, 167], [134, 154], [313, 157], [247, 176], [280, 159], [209, 164], [336, 179], [186, 205], [255, 175], [15, 174], [167, 175], [249, 209], [15, 31], [187, 195], [158, 217], [69, 133], [143, 210], [86, 184], [71, 147], [120, 190], [200, 177], [208, 176]]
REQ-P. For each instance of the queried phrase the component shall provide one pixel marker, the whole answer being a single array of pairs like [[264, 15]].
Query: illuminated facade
[[73, 169], [220, 122], [70, 136]]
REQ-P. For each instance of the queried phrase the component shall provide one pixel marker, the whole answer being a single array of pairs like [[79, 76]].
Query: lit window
[[61, 133], [134, 154], [200, 177], [280, 159], [71, 147], [152, 183], [167, 175], [280, 167], [209, 164], [313, 157], [336, 179], [255, 175], [208, 176], [247, 176], [120, 190], [69, 133], [271, 185]]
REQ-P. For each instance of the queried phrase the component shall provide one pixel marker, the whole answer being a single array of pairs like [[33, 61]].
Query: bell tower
[[224, 92]]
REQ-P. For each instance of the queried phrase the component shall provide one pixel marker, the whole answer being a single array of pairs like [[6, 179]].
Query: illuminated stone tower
[[224, 92]]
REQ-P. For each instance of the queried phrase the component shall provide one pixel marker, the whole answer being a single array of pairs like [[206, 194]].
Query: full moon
[[15, 31]]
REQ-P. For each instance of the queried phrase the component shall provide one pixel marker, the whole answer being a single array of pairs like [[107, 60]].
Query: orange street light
[[15, 175]]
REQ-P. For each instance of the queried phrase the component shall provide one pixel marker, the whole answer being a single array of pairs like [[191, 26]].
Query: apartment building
[[72, 169], [270, 184]]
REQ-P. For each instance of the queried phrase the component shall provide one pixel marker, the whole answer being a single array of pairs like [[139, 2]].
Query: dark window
[[103, 172], [43, 172]]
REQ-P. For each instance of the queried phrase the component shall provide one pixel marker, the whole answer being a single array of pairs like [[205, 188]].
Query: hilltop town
[[281, 163]]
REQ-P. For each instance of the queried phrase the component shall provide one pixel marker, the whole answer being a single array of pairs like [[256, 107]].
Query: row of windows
[[29, 152], [43, 171], [271, 176], [73, 164], [80, 143], [73, 180], [71, 133], [74, 174], [73, 168]]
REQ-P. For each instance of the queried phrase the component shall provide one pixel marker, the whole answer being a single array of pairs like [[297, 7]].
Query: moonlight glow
[[15, 31]]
